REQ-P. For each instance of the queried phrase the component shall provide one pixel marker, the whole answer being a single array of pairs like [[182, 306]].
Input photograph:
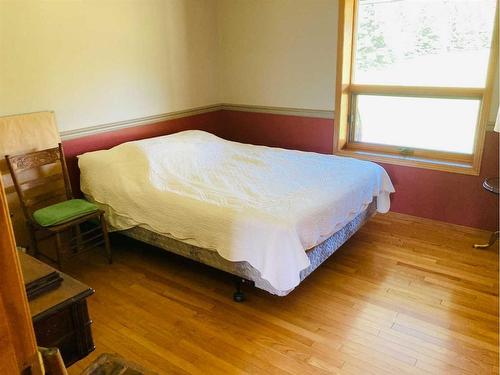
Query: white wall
[[101, 61], [278, 52]]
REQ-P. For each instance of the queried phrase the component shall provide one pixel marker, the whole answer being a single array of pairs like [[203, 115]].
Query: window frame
[[345, 91]]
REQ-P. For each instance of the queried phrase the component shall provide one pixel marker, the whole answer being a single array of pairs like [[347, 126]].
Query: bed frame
[[244, 272]]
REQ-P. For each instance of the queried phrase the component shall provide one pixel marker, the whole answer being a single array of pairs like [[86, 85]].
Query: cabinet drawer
[[68, 329], [53, 328]]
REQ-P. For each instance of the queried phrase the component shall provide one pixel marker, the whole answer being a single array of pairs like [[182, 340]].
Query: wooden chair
[[42, 184]]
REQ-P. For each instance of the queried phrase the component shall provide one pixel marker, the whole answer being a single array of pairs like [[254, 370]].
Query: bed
[[267, 215]]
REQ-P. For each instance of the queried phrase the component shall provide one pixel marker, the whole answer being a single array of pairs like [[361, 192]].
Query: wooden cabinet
[[60, 316]]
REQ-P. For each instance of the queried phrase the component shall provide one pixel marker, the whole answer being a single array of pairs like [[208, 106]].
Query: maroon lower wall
[[293, 132], [450, 197]]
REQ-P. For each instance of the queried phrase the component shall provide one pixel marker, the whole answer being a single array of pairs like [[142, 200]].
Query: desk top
[[69, 291]]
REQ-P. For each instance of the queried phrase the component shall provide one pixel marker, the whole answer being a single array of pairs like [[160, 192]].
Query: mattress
[[260, 205]]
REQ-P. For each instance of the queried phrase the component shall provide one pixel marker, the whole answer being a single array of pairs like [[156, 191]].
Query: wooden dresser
[[60, 315]]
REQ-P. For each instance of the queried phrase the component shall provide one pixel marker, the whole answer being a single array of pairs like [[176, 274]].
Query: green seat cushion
[[62, 212]]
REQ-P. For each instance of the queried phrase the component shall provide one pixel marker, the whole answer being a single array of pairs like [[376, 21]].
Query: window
[[414, 80]]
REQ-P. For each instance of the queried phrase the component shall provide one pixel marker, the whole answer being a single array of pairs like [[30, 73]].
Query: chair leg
[[78, 238], [33, 240], [59, 259], [107, 246]]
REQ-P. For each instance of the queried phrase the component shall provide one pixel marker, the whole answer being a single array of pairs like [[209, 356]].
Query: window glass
[[424, 123], [423, 42]]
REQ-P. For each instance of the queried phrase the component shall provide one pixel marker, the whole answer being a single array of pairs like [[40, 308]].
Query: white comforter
[[249, 203]]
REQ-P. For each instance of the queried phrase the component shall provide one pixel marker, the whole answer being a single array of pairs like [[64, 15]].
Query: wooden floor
[[404, 295]]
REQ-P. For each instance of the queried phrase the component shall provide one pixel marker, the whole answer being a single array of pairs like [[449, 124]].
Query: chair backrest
[[40, 178]]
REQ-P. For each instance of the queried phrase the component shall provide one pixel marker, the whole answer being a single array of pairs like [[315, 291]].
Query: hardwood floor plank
[[424, 350], [405, 295]]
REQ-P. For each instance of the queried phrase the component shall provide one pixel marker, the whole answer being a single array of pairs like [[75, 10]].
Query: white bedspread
[[249, 203]]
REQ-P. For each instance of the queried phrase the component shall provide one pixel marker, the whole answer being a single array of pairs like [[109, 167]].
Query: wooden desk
[[60, 316]]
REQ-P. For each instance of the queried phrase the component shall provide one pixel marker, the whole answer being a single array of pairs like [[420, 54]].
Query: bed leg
[[238, 295]]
